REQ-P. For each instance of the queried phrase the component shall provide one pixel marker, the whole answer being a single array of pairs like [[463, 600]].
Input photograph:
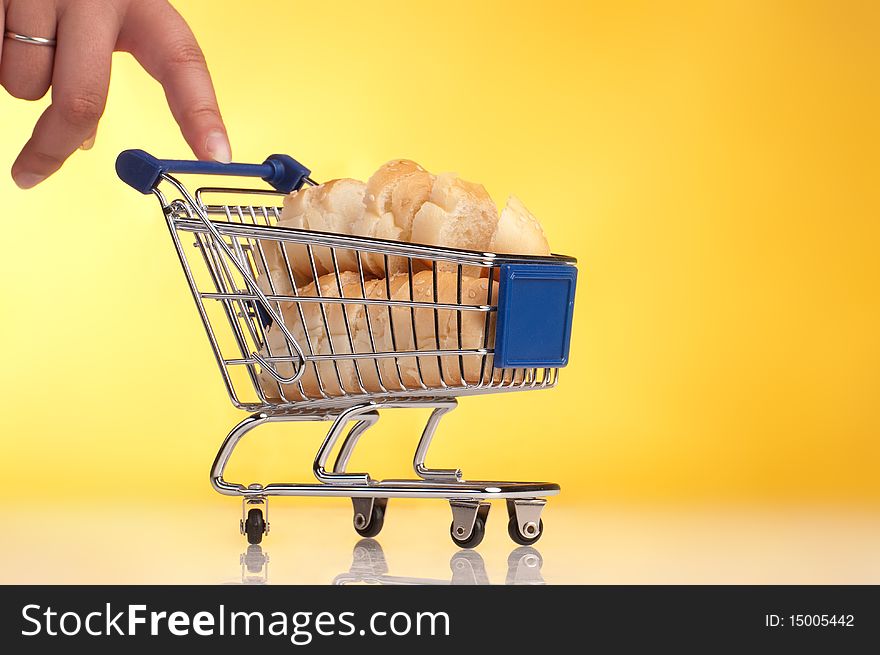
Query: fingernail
[[89, 143], [217, 146], [27, 180]]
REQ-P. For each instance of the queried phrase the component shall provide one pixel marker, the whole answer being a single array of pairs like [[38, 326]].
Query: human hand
[[78, 70]]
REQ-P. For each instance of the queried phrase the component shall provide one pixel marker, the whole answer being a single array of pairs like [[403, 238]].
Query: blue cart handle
[[142, 171]]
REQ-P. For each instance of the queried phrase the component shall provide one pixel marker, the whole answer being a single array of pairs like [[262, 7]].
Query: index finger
[[163, 44], [2, 25], [80, 81]]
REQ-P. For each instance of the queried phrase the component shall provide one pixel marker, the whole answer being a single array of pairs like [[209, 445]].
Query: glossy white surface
[[314, 543]]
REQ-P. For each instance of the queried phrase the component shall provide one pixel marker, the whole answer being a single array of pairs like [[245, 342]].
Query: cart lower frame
[[467, 498]]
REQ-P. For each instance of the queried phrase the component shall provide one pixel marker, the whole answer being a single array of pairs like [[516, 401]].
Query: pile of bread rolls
[[400, 202]]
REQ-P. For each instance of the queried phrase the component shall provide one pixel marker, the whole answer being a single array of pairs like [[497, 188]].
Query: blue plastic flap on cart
[[535, 309]]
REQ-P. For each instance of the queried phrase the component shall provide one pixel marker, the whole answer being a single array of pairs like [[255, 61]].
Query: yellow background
[[712, 165]]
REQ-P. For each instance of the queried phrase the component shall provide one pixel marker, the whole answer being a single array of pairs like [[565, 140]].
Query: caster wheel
[[476, 537], [254, 526], [521, 539], [377, 520]]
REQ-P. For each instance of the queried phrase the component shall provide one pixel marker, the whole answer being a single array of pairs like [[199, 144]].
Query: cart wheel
[[518, 537], [476, 537], [254, 526], [377, 520]]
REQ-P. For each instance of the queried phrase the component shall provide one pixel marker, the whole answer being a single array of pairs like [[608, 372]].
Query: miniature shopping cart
[[222, 236]]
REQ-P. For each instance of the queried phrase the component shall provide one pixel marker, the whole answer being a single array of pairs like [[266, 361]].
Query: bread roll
[[458, 214], [401, 202], [379, 227], [340, 206], [294, 214], [394, 194], [377, 328], [519, 232], [400, 187], [306, 322], [331, 207]]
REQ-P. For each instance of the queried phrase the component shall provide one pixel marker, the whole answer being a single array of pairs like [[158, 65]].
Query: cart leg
[[367, 420], [365, 414], [524, 525], [339, 423], [468, 522], [442, 475], [369, 513], [226, 450]]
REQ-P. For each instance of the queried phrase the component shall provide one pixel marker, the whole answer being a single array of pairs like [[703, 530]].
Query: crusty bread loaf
[[305, 321], [394, 194], [400, 202], [331, 207], [458, 214], [400, 187], [379, 227], [362, 328], [518, 231]]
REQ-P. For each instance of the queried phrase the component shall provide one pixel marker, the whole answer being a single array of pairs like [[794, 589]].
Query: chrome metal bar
[[380, 398], [425, 442], [369, 321], [391, 328], [210, 255], [302, 318], [208, 295], [206, 322], [479, 490], [251, 283], [345, 322], [341, 485], [323, 309], [367, 420], [458, 281], [412, 313], [369, 244], [347, 356], [437, 327], [319, 466], [258, 243], [483, 360]]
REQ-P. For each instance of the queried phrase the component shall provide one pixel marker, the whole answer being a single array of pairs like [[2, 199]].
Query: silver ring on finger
[[33, 40]]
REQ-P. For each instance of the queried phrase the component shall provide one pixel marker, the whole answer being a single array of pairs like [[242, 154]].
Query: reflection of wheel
[[518, 537], [377, 520], [525, 555], [254, 559], [254, 526], [524, 566], [476, 537]]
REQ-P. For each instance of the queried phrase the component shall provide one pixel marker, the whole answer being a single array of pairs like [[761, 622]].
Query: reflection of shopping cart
[[524, 323], [369, 566]]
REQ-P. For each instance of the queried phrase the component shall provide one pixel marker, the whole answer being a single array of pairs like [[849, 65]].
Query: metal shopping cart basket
[[223, 237]]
